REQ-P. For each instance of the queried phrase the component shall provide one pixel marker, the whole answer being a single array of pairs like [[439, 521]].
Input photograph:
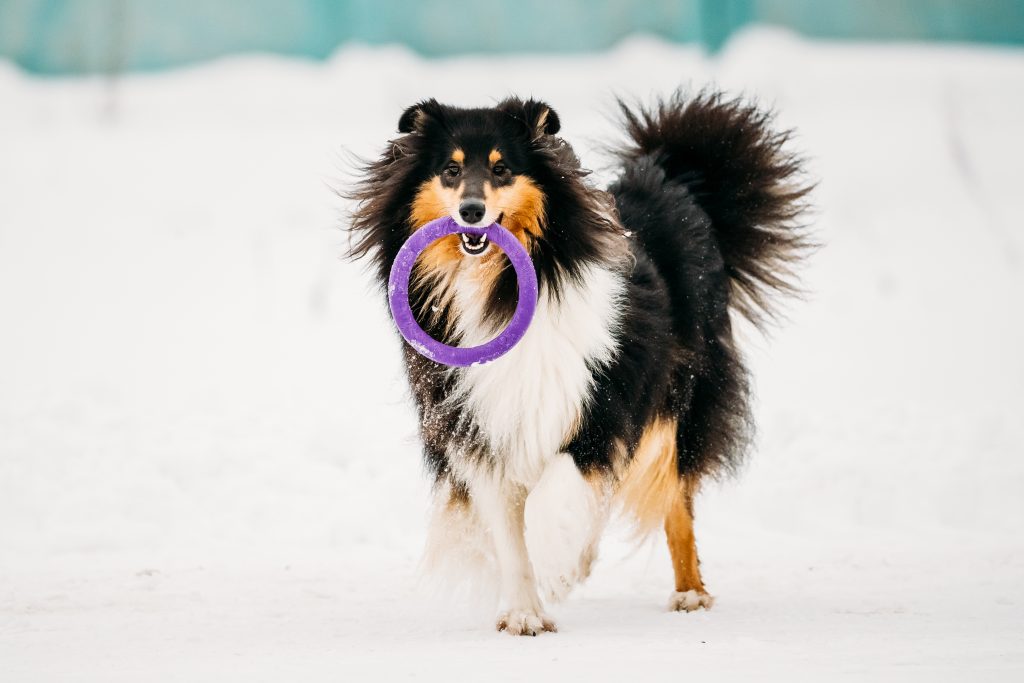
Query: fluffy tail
[[751, 188]]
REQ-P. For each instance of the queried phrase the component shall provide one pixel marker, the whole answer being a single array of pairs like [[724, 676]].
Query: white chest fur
[[528, 401]]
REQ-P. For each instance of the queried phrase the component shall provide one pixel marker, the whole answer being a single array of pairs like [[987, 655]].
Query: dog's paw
[[555, 587], [524, 622], [689, 601]]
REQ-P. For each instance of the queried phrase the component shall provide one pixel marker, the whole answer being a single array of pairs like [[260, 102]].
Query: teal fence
[[80, 36]]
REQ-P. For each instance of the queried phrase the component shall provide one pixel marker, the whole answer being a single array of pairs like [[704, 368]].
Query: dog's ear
[[539, 118], [543, 118], [415, 117]]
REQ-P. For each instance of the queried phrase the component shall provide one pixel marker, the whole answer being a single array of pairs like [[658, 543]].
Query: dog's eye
[[500, 169], [453, 170]]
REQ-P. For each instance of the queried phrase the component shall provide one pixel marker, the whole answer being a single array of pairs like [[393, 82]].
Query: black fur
[[736, 168], [707, 197]]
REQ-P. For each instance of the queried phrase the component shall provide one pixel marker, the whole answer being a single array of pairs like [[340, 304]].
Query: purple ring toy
[[398, 294]]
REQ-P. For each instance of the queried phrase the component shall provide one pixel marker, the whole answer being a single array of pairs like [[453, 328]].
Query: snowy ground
[[208, 468]]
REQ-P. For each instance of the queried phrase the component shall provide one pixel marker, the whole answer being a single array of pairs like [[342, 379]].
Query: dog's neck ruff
[[526, 404]]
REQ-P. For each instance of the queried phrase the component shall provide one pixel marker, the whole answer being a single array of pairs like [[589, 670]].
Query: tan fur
[[437, 281], [650, 486], [542, 121], [652, 491], [458, 156], [439, 262], [494, 157], [522, 202], [442, 254], [433, 200], [682, 544]]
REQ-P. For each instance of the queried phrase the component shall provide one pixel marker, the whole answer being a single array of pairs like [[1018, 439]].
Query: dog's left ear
[[415, 118], [539, 118]]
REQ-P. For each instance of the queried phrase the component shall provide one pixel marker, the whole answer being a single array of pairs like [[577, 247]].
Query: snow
[[208, 463]]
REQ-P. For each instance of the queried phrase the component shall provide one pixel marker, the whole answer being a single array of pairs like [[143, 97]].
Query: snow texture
[[208, 462]]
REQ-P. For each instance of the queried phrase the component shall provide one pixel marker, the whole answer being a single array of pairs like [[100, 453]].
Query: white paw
[[524, 622], [555, 588], [688, 601]]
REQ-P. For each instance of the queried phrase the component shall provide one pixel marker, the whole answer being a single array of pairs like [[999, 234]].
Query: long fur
[[629, 371], [713, 196], [740, 173]]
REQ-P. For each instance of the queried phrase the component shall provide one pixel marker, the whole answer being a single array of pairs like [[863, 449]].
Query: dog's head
[[480, 166], [503, 164]]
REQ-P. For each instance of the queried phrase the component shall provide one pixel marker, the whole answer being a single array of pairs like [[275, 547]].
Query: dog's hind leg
[[501, 506], [690, 593]]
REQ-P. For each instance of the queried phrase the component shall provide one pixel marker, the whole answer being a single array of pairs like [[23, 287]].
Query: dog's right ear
[[416, 117]]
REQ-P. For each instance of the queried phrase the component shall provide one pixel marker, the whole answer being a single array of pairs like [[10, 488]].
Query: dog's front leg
[[501, 506]]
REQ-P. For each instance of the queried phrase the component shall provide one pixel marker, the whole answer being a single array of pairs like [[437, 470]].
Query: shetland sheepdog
[[628, 388]]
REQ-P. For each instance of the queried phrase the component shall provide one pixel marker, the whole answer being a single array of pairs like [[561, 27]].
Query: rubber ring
[[423, 343]]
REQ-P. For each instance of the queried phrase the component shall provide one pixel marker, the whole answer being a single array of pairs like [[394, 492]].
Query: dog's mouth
[[473, 245]]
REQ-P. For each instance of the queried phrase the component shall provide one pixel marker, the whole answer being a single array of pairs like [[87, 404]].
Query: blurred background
[[209, 467], [109, 36]]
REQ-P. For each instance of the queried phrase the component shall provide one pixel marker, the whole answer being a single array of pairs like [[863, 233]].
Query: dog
[[628, 389]]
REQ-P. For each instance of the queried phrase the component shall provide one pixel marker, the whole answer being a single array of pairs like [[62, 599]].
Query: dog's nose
[[472, 210]]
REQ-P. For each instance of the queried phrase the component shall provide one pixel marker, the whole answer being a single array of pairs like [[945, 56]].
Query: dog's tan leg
[[690, 593]]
